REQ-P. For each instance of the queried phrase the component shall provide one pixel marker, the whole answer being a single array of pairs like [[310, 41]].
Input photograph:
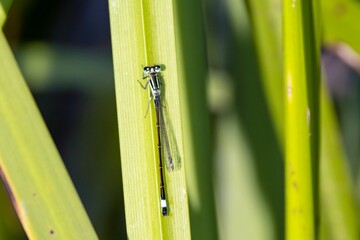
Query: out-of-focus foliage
[[339, 215], [4, 8], [249, 203], [340, 22]]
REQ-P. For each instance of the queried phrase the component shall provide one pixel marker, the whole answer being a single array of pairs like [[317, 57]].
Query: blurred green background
[[64, 51]]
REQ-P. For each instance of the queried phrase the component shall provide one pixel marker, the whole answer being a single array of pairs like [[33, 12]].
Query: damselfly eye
[[157, 68], [146, 69]]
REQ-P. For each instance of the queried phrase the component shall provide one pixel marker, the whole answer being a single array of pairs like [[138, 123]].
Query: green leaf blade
[[300, 77], [42, 193], [143, 34]]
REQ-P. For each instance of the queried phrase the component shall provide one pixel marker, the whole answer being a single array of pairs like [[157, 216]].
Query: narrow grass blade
[[301, 69]]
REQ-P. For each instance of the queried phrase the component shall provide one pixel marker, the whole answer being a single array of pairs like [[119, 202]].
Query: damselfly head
[[152, 69]]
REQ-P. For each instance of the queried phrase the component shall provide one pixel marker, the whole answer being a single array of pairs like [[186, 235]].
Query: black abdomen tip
[[164, 211]]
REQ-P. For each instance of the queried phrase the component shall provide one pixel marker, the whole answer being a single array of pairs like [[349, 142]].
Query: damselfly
[[152, 74]]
